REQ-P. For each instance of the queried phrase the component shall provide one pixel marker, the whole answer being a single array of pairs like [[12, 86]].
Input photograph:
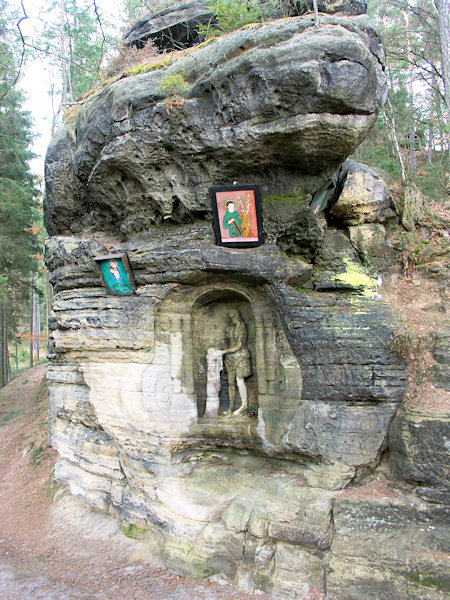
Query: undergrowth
[[131, 59]]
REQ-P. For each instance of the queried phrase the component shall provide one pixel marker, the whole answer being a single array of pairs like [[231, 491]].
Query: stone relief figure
[[237, 361]]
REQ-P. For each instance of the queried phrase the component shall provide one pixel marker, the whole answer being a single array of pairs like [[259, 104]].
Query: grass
[[21, 362], [22, 368], [9, 416], [37, 453]]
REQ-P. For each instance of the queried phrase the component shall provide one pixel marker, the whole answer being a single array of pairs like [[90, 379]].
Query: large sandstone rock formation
[[258, 497], [281, 105]]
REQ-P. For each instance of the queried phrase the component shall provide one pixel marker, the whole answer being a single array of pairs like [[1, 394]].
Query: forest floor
[[417, 287], [52, 545]]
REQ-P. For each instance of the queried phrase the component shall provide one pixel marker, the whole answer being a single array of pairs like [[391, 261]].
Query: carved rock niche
[[210, 323], [188, 323]]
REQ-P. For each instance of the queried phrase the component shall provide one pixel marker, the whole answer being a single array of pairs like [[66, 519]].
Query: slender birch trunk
[[316, 14], [412, 140]]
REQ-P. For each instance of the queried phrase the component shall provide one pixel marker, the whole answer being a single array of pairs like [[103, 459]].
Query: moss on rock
[[132, 531]]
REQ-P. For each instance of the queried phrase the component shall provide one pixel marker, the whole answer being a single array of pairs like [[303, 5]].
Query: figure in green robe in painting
[[232, 220], [116, 277]]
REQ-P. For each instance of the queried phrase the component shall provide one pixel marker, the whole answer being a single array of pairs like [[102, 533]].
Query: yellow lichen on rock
[[356, 277]]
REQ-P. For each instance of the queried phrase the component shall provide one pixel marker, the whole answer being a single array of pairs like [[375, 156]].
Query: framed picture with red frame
[[237, 215]]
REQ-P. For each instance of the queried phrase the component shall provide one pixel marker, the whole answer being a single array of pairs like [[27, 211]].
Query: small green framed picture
[[116, 273]]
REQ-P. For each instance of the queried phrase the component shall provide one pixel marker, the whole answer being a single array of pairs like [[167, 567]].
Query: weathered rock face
[[257, 496], [441, 353], [393, 546], [419, 446], [172, 28], [250, 497], [176, 27], [362, 196], [281, 105]]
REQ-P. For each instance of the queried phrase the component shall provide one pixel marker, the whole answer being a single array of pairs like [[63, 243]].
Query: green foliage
[[428, 580], [18, 196], [23, 357], [234, 14], [416, 108], [375, 151], [133, 9], [173, 85], [132, 531], [20, 210]]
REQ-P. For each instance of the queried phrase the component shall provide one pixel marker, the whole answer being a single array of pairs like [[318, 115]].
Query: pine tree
[[18, 201]]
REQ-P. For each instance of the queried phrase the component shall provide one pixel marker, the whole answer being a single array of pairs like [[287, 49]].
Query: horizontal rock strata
[[251, 498]]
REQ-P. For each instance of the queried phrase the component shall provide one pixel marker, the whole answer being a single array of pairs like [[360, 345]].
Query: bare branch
[[103, 34], [22, 54]]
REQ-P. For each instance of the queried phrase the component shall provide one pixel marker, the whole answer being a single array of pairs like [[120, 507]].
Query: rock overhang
[[282, 104]]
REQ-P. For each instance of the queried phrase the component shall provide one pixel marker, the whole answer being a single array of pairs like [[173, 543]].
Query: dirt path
[[52, 546]]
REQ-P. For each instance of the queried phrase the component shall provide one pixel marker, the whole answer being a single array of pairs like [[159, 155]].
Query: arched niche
[[209, 322], [191, 318]]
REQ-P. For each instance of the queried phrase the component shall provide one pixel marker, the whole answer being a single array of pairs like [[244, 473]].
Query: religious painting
[[116, 273], [237, 215]]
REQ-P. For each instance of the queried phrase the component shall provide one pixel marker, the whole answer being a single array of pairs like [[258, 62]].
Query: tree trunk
[[31, 321], [62, 49], [316, 13], [2, 362], [392, 132], [55, 112], [412, 206], [16, 348], [8, 363], [430, 144], [4, 356], [412, 141], [443, 9], [438, 120]]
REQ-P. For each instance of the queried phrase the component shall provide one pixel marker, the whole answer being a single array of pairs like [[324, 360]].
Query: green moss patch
[[132, 531], [147, 67], [173, 85], [428, 581], [286, 199]]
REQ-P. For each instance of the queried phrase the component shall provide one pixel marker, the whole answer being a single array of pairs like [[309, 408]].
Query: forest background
[[75, 45]]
